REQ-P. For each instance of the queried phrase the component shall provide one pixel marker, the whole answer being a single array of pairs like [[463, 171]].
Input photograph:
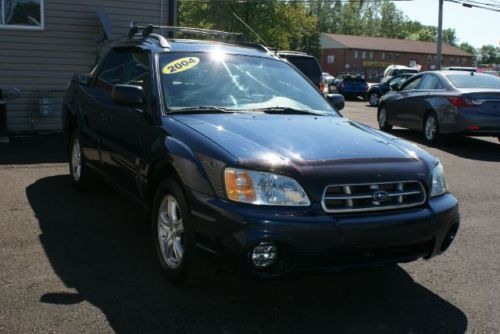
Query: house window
[[389, 56], [382, 56], [463, 60], [370, 55], [451, 60], [397, 56], [356, 54], [429, 58], [21, 14], [330, 59], [363, 55]]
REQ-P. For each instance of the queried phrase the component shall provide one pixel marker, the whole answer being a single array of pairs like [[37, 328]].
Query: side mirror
[[396, 86], [82, 79], [336, 100], [129, 95]]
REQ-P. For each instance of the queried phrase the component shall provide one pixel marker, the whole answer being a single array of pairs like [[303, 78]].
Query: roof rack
[[222, 35]]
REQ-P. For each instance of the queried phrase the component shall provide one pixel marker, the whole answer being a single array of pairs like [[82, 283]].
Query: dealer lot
[[73, 262]]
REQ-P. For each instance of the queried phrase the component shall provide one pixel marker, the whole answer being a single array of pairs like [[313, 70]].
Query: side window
[[111, 68], [413, 84], [430, 82], [125, 67]]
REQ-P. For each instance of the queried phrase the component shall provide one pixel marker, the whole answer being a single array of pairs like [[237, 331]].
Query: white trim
[[26, 27]]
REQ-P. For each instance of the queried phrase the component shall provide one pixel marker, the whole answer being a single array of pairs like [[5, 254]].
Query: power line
[[470, 4]]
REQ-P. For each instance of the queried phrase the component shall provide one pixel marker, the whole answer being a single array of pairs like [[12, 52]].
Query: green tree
[[489, 54], [450, 36], [469, 49], [281, 24]]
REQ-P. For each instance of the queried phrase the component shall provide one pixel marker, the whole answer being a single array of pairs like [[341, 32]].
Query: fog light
[[264, 255]]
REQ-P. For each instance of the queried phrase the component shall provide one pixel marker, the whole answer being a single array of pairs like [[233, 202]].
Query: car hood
[[298, 138]]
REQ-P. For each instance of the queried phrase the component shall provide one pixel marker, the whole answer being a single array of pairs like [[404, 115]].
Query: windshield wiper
[[200, 110], [288, 111]]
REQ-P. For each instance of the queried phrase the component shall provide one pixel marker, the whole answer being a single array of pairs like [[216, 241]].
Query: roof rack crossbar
[[148, 30]]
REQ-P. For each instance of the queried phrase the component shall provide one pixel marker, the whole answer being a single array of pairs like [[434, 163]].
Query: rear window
[[474, 81], [308, 66]]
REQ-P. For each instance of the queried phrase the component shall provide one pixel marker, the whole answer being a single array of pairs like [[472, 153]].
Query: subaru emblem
[[380, 196]]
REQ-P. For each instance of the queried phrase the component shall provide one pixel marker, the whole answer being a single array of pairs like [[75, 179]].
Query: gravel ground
[[72, 262]]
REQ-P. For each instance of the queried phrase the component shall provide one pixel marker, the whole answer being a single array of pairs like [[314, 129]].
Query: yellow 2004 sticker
[[180, 65]]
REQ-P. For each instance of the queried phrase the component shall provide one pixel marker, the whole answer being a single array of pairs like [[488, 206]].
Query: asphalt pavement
[[72, 262]]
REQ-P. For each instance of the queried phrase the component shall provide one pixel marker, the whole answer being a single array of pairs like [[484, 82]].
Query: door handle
[[105, 117]]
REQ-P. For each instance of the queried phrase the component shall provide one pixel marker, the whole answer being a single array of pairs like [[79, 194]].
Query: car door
[[130, 129], [93, 108], [430, 85], [400, 107]]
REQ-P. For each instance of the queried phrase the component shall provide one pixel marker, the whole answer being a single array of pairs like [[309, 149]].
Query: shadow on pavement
[[98, 245], [465, 147], [34, 150]]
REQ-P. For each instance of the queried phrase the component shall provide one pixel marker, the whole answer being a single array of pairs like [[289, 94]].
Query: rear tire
[[383, 119], [82, 178], [374, 98], [431, 129]]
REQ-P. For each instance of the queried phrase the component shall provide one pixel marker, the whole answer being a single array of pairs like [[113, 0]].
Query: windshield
[[236, 82], [474, 81]]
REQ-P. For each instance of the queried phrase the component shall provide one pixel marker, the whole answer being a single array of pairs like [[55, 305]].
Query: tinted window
[[126, 67], [430, 82], [308, 66], [474, 81], [235, 82], [412, 84]]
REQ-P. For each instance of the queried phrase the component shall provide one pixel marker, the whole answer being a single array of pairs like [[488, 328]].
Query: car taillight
[[461, 102]]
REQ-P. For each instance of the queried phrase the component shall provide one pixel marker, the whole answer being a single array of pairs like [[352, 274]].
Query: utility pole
[[440, 35], [172, 16]]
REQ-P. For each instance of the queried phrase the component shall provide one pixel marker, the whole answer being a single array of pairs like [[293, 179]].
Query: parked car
[[444, 102], [238, 157], [307, 64], [377, 90], [351, 86], [396, 70]]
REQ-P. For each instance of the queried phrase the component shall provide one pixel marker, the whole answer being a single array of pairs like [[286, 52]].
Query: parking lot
[[72, 262]]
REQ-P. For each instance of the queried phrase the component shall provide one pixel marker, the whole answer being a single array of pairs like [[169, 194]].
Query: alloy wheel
[[76, 160], [430, 128], [170, 232], [374, 99]]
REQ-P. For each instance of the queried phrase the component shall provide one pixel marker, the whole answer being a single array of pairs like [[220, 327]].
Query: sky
[[473, 25]]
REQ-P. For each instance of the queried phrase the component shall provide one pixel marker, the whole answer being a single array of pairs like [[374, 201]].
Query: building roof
[[395, 45]]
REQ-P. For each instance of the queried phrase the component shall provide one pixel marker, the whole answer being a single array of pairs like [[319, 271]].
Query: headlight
[[438, 182], [263, 188]]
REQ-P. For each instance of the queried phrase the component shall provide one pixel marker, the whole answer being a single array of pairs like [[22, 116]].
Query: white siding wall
[[40, 63]]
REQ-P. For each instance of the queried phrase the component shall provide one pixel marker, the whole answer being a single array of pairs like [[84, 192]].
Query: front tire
[[374, 98], [431, 129], [173, 234], [383, 119]]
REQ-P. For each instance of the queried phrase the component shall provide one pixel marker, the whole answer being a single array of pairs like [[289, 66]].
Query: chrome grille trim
[[348, 197]]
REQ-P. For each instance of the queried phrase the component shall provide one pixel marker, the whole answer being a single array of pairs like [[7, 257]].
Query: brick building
[[371, 55]]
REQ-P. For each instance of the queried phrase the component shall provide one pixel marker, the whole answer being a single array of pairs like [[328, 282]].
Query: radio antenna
[[250, 28]]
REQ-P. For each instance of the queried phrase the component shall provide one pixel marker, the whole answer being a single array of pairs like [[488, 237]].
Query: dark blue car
[[242, 162], [351, 86]]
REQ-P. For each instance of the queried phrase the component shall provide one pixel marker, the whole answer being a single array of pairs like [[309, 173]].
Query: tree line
[[295, 25]]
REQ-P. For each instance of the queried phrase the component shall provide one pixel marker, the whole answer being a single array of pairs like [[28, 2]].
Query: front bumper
[[310, 239]]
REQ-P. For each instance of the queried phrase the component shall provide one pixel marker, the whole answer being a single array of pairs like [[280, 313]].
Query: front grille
[[345, 198]]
